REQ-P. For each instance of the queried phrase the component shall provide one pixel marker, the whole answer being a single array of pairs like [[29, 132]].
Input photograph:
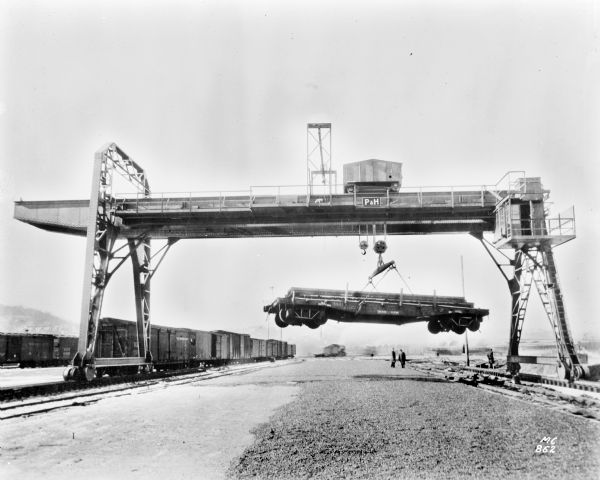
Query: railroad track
[[534, 388], [45, 397], [584, 385]]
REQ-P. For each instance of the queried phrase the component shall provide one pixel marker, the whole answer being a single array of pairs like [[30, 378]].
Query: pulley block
[[380, 247]]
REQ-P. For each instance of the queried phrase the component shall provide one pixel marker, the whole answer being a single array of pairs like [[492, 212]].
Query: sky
[[216, 95]]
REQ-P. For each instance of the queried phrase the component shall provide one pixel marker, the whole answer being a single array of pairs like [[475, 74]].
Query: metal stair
[[548, 286], [523, 275]]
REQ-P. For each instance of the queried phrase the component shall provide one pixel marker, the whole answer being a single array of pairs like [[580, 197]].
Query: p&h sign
[[371, 202]]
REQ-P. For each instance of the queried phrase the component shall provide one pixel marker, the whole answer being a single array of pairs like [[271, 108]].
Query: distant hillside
[[22, 320]]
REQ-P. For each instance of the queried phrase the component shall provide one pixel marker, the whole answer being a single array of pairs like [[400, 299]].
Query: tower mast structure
[[321, 178]]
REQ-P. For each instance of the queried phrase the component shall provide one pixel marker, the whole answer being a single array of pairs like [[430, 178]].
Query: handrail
[[276, 195], [252, 191]]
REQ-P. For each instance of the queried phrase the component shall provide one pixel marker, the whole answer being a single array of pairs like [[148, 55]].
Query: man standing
[[491, 358], [402, 358], [393, 358]]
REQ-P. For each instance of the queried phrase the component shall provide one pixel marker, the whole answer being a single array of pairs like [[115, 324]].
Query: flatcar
[[36, 350]]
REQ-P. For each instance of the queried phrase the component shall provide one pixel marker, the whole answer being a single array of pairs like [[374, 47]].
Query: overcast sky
[[216, 95]]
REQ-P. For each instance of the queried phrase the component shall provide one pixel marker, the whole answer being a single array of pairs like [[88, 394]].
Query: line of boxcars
[[171, 347]]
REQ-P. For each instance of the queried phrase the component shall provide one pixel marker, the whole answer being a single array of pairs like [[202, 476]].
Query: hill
[[29, 320]]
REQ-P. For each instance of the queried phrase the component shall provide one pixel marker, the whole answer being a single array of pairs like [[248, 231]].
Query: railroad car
[[116, 338], [246, 346], [259, 348], [220, 346], [204, 345], [273, 349], [36, 350], [67, 348], [173, 347], [170, 347], [240, 345]]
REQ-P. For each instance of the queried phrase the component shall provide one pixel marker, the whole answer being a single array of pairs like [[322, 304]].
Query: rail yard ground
[[318, 418]]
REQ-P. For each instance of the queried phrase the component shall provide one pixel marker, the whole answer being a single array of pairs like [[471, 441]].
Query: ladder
[[522, 279], [548, 285]]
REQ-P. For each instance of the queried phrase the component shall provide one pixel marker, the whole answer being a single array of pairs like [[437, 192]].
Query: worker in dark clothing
[[402, 358], [491, 358], [393, 358]]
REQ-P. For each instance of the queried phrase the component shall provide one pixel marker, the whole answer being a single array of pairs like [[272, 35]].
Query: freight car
[[171, 347], [174, 348], [36, 350]]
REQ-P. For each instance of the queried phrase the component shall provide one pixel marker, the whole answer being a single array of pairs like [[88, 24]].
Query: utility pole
[[462, 277], [268, 337]]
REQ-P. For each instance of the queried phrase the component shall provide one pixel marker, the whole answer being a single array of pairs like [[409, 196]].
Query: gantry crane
[[121, 228]]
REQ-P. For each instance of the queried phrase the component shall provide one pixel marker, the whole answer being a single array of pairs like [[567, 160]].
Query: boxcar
[[246, 347], [10, 348], [116, 338], [262, 348], [166, 346], [272, 348], [235, 344], [255, 348], [183, 344], [65, 349], [219, 346], [36, 350], [203, 345]]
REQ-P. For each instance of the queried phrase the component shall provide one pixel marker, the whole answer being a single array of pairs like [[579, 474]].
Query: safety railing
[[511, 181], [320, 196], [182, 202], [562, 225], [443, 196]]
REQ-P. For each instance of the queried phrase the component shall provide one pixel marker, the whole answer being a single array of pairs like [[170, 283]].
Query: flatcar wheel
[[459, 329], [474, 325], [433, 327], [280, 323], [312, 324]]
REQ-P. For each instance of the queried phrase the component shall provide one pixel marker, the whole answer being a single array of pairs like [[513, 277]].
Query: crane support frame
[[103, 230], [528, 266]]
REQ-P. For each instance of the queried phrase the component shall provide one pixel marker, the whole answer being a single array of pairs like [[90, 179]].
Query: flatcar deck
[[315, 306]]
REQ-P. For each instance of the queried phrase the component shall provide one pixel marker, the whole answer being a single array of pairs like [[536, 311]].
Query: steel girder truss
[[101, 255], [318, 159], [535, 265]]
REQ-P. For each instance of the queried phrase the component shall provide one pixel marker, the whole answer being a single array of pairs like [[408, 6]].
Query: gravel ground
[[362, 419], [181, 432]]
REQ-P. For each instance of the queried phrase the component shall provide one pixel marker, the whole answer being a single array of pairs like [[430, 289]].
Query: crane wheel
[[89, 373]]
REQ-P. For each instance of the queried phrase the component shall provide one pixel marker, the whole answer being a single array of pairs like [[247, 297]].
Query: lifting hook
[[363, 245]]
